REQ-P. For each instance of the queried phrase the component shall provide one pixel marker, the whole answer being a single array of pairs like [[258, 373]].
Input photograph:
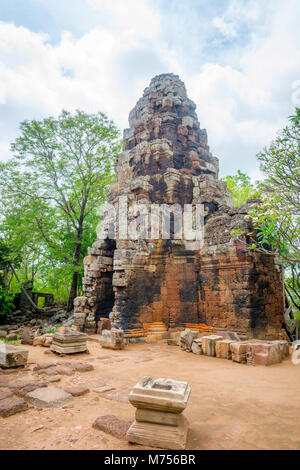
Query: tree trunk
[[35, 307], [76, 260]]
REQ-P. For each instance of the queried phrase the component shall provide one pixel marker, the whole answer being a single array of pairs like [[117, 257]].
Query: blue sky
[[240, 60]]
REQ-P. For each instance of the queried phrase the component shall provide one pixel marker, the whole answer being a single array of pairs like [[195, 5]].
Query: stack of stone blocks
[[159, 405]]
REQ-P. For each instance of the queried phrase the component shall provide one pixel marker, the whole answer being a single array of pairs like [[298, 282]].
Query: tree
[[5, 298], [276, 219], [278, 215], [241, 187], [58, 176]]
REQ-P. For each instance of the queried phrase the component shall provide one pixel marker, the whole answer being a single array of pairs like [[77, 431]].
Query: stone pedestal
[[209, 344], [158, 419], [12, 356], [69, 343], [112, 339]]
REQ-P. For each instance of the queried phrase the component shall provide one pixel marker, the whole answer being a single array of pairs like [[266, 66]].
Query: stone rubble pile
[[251, 352]]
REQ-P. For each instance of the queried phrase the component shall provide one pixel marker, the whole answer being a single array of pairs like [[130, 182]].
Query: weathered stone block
[[209, 344], [158, 417], [10, 406], [159, 435], [69, 342], [284, 348], [49, 397], [223, 349], [112, 425], [103, 324], [12, 356], [264, 354], [44, 340], [186, 339], [231, 335], [112, 339], [159, 422], [197, 346], [239, 352], [160, 394]]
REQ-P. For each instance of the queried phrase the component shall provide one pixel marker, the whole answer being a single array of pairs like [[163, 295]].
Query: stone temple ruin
[[142, 282]]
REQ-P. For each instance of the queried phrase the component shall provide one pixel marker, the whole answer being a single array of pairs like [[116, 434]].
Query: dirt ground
[[232, 406]]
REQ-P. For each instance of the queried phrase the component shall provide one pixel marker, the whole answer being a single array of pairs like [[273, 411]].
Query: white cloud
[[226, 27], [242, 104]]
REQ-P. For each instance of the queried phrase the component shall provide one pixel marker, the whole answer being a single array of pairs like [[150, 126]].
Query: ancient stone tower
[[166, 160]]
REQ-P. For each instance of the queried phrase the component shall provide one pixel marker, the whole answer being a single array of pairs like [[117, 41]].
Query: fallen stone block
[[223, 349], [284, 348], [49, 397], [12, 405], [209, 344], [112, 425], [173, 342], [69, 342], [12, 356], [264, 354], [186, 339], [27, 336], [44, 340], [232, 335], [112, 339], [22, 388], [103, 324], [197, 346], [239, 352]]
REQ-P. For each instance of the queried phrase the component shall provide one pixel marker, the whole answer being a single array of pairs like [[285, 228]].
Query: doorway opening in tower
[[105, 296]]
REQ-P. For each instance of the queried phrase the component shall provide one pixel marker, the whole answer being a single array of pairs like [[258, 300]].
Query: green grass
[[17, 341]]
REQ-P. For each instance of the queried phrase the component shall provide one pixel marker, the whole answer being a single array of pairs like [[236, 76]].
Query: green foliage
[[241, 187], [51, 329], [17, 341], [276, 219], [50, 191], [278, 215]]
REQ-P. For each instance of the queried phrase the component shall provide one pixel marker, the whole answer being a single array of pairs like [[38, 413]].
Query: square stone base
[[159, 435]]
